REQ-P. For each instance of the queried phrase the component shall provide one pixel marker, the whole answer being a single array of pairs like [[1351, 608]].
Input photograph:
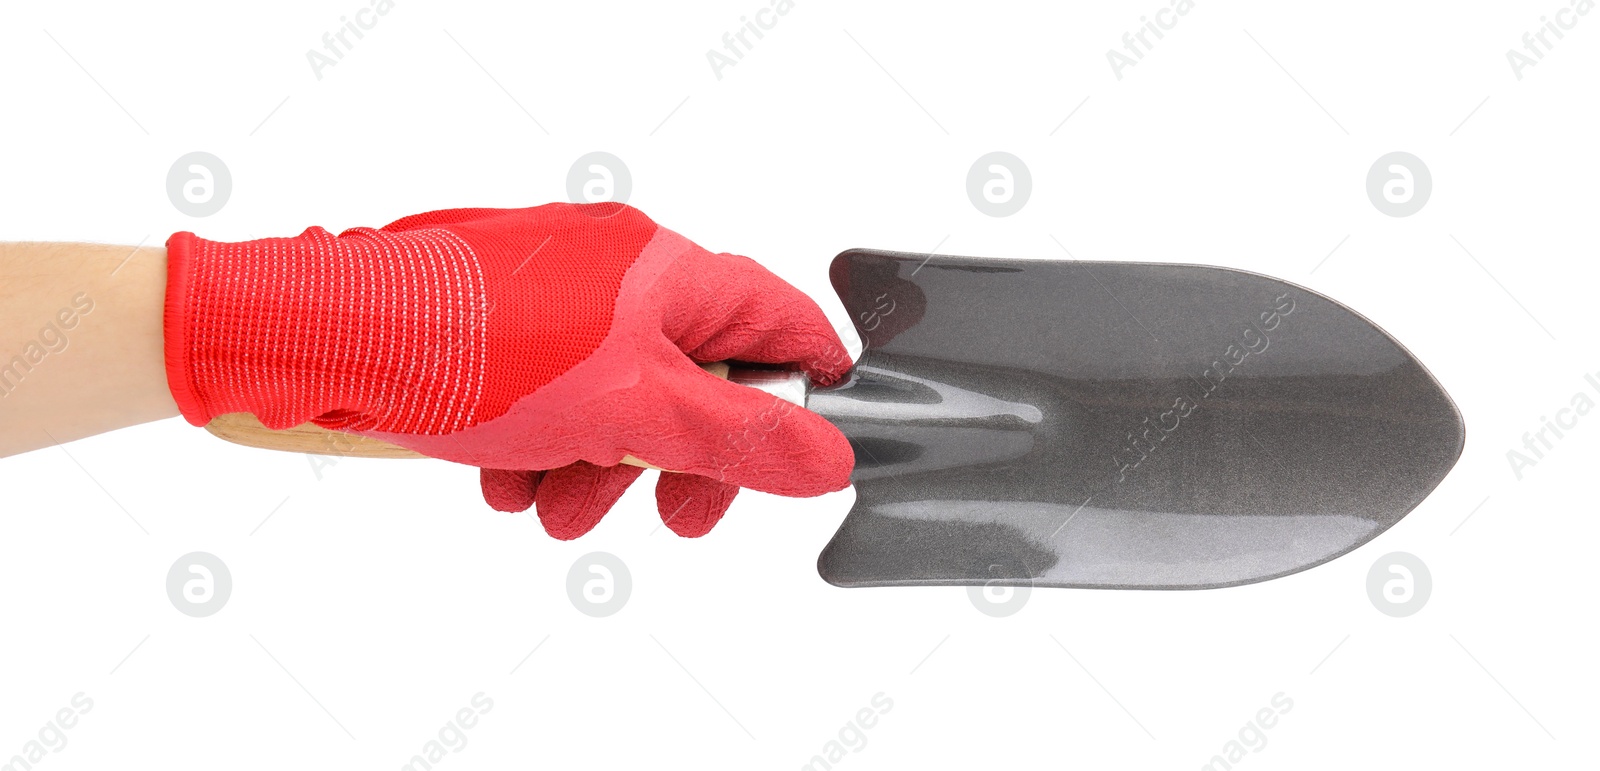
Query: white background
[[387, 593]]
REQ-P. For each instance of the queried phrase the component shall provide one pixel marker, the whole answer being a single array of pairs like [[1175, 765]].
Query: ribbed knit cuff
[[175, 328]]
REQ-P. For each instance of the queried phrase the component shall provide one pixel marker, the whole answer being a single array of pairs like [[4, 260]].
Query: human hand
[[541, 345]]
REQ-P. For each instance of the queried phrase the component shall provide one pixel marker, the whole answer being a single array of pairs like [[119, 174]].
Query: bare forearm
[[80, 341]]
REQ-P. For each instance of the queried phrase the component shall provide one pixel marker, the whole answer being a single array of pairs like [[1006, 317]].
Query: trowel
[[1096, 424]]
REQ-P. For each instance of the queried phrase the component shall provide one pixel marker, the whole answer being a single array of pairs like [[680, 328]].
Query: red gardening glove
[[541, 345]]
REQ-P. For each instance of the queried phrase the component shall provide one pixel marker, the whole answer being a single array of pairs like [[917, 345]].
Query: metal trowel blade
[[1118, 425]]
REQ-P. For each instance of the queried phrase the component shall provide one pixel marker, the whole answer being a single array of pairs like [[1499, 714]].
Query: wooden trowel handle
[[243, 428]]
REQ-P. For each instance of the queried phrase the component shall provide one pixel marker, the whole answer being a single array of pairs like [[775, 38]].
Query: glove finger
[[744, 312], [571, 500], [741, 436], [508, 489], [691, 505]]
